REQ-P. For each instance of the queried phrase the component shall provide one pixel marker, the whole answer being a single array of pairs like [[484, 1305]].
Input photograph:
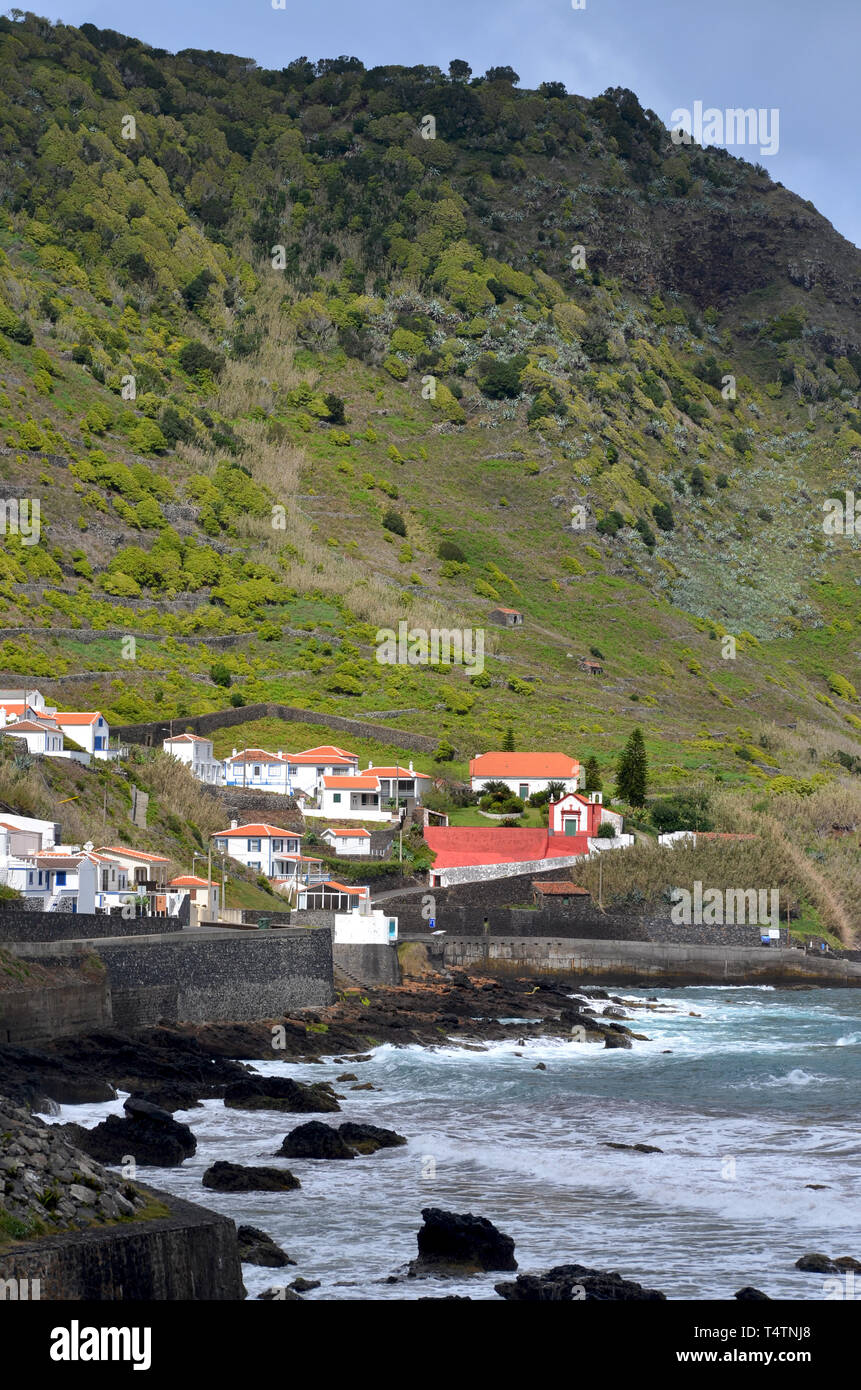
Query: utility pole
[[223, 887], [600, 881], [209, 877]]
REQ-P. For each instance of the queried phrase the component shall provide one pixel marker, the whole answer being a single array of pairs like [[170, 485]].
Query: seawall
[[201, 976], [636, 962], [190, 1254]]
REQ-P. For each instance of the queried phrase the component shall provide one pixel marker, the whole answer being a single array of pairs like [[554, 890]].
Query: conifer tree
[[593, 782], [632, 772]]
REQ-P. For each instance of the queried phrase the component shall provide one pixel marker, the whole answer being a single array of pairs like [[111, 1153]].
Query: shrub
[[606, 831], [500, 380], [682, 811], [447, 550], [196, 358], [663, 514], [393, 521], [220, 674]]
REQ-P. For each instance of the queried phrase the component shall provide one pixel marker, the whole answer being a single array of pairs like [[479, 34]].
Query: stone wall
[[217, 976], [190, 1254], [656, 964], [367, 965], [78, 926], [30, 1016], [204, 724]]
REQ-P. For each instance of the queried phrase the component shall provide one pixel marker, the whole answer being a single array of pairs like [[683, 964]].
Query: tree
[[632, 771], [508, 740], [220, 674], [555, 790], [683, 811], [593, 781], [459, 71], [503, 74], [393, 521]]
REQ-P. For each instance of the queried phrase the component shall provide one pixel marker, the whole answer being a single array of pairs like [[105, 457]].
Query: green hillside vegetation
[[281, 371]]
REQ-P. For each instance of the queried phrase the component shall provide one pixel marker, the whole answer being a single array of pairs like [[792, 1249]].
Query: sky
[[790, 56]]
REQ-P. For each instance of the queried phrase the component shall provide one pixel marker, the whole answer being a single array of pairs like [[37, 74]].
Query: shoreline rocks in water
[[280, 1093], [257, 1248], [576, 1284], [235, 1177], [460, 1243], [816, 1263], [318, 1140], [150, 1135]]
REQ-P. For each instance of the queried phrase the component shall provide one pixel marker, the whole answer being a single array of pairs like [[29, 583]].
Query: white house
[[142, 867], [58, 880], [400, 785], [267, 849], [524, 773], [254, 767], [23, 835], [298, 871], [40, 736], [112, 881], [331, 895], [307, 769], [352, 798], [89, 728], [197, 754], [204, 895], [348, 839], [581, 813], [26, 704]]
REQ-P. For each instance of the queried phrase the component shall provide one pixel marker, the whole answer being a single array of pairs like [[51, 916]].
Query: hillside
[[280, 372]]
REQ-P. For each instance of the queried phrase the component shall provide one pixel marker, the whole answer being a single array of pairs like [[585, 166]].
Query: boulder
[[314, 1140], [575, 1283], [460, 1243], [257, 1248], [233, 1177], [280, 1093], [366, 1139], [816, 1264], [150, 1134], [750, 1293], [301, 1285], [617, 1040], [280, 1292]]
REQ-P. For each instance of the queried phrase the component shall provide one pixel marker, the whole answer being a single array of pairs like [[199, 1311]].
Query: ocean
[[753, 1094]]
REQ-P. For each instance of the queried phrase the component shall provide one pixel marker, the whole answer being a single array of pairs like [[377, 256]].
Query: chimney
[[280, 754], [3, 718], [411, 765], [233, 754], [234, 824]]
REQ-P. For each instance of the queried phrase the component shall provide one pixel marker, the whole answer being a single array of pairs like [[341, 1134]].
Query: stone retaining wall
[[78, 926], [190, 1254]]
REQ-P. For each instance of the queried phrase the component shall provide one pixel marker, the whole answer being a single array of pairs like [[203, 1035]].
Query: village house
[[66, 878], [204, 895], [40, 736], [559, 895], [331, 896], [354, 798], [254, 767], [197, 754], [87, 728], [147, 873], [592, 668], [347, 839], [267, 849], [524, 773], [399, 786], [297, 871], [506, 617], [307, 769], [26, 835]]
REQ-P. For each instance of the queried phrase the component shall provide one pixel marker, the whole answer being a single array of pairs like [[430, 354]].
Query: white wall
[[483, 873], [535, 784], [364, 928]]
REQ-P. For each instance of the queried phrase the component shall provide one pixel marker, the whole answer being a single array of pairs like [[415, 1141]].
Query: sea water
[[754, 1102]]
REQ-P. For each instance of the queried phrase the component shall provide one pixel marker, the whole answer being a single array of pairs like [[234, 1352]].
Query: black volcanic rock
[[315, 1140], [149, 1134], [257, 1248], [280, 1093], [749, 1294], [234, 1177], [460, 1243], [575, 1283], [366, 1139]]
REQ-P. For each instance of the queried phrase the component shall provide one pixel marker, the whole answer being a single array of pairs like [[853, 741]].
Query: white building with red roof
[[40, 736], [258, 768], [267, 849], [525, 773], [347, 839], [307, 769], [358, 797], [143, 867], [89, 728], [400, 786], [197, 754]]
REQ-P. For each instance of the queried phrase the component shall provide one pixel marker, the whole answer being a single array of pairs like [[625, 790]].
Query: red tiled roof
[[559, 886], [367, 782], [458, 847], [257, 755], [325, 753], [77, 716], [551, 765], [187, 738], [134, 853], [347, 830], [341, 887], [260, 831], [500, 609], [29, 726], [400, 772], [190, 881]]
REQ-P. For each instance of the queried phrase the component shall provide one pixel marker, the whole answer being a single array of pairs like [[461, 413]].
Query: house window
[[255, 772], [59, 878], [524, 790], [253, 846], [254, 866], [221, 846], [277, 846], [336, 796], [30, 878]]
